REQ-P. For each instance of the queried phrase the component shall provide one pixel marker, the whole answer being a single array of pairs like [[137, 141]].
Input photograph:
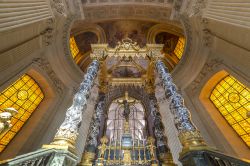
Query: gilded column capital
[[99, 51], [155, 51], [192, 140]]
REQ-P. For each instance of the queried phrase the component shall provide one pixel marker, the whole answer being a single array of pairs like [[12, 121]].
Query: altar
[[127, 149]]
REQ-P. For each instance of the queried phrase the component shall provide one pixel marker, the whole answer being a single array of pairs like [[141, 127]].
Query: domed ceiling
[[112, 32]]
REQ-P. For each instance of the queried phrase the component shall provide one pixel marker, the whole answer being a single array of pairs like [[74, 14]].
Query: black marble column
[[163, 150], [189, 135], [94, 130]]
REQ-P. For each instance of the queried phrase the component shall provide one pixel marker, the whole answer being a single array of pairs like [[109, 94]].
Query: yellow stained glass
[[179, 49], [1, 148], [232, 99], [73, 47], [24, 95]]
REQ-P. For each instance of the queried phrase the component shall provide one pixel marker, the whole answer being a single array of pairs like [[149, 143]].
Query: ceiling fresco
[[84, 41], [138, 31], [169, 41], [118, 30]]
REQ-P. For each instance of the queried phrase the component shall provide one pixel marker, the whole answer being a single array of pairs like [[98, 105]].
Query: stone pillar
[[165, 155], [67, 133], [94, 130], [189, 136]]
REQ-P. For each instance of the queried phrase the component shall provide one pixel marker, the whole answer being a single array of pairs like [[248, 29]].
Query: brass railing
[[117, 154], [138, 156]]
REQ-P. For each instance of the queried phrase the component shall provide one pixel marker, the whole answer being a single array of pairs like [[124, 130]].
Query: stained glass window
[[73, 47], [232, 99], [24, 95], [179, 49], [116, 120]]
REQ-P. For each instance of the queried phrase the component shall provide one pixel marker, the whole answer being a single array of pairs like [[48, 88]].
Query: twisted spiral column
[[189, 136], [165, 155], [67, 133], [94, 130]]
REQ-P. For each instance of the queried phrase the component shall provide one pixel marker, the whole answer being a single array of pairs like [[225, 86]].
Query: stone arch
[[194, 56], [80, 28]]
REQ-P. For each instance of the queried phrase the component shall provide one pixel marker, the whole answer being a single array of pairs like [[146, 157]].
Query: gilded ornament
[[87, 159], [5, 119], [192, 140]]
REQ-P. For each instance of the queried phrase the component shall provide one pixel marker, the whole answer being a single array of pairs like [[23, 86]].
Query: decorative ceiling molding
[[66, 8], [49, 32], [188, 7], [132, 12], [167, 3], [59, 7], [207, 69], [45, 65]]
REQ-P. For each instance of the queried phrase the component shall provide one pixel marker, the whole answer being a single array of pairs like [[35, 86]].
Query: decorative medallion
[[234, 97], [22, 94]]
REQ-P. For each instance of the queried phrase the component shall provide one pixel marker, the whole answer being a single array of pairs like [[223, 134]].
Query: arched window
[[24, 95], [73, 47], [179, 49], [232, 99]]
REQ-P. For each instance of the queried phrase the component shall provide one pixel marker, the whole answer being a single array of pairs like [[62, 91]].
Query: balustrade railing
[[43, 157], [211, 158], [117, 153], [138, 156]]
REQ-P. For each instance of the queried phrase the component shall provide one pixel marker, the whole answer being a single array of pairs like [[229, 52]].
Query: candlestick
[[144, 145], [120, 151], [139, 151]]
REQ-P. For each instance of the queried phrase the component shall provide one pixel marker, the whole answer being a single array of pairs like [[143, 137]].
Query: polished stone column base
[[193, 158], [87, 159], [166, 159], [61, 144], [192, 141]]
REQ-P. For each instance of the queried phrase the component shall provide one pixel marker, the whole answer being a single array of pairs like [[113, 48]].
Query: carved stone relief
[[58, 6], [209, 67], [45, 65], [48, 33]]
